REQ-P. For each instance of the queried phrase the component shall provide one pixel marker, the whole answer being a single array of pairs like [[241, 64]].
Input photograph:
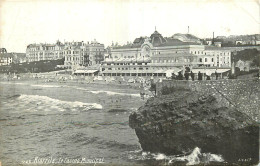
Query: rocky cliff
[[177, 123]]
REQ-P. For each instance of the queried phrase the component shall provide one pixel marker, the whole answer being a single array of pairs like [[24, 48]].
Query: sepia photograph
[[129, 82]]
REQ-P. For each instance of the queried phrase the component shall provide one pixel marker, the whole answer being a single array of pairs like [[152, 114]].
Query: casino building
[[157, 55]]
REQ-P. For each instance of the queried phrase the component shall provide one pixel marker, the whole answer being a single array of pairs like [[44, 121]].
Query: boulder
[[177, 123]]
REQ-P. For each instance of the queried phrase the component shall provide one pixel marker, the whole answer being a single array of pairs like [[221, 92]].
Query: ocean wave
[[194, 158], [36, 102], [115, 93], [46, 86]]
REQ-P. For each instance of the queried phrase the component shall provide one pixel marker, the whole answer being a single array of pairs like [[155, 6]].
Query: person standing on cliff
[[199, 76], [192, 75]]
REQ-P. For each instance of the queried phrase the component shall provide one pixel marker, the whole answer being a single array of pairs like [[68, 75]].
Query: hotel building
[[81, 54], [75, 53], [38, 52], [157, 55]]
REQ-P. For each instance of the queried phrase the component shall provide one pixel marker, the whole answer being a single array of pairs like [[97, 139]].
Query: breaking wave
[[194, 158], [115, 93], [35, 102], [46, 86]]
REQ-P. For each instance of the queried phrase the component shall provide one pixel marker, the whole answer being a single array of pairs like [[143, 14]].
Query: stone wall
[[242, 94]]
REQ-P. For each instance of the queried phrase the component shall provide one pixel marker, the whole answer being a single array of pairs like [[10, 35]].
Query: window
[[212, 59], [206, 59], [200, 59]]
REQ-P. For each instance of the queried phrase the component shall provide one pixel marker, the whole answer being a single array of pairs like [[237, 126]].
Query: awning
[[85, 71], [174, 70], [209, 71]]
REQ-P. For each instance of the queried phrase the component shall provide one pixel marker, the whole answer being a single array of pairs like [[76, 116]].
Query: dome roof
[[157, 39]]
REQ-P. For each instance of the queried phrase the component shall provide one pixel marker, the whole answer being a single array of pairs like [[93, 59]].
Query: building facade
[[38, 52], [9, 58], [82, 54], [3, 50], [156, 55], [6, 59]]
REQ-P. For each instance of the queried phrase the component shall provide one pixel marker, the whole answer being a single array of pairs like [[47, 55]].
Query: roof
[[209, 71], [127, 46], [219, 48], [175, 42], [19, 55], [139, 40], [3, 50], [187, 36], [122, 60], [7, 55]]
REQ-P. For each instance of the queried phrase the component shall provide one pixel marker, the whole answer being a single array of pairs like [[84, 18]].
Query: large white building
[[83, 54], [156, 55], [74, 53], [37, 52]]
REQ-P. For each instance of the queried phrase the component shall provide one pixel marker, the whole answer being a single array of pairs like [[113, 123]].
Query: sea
[[65, 122]]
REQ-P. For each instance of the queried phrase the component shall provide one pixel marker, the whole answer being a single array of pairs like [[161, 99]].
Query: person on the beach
[[186, 75], [208, 77], [192, 75], [199, 76], [216, 75], [180, 76]]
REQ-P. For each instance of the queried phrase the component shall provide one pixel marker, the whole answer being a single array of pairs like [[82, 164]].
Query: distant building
[[19, 57], [6, 59], [213, 57], [218, 44], [82, 54], [9, 58], [96, 52], [74, 53], [209, 42], [3, 50], [37, 52]]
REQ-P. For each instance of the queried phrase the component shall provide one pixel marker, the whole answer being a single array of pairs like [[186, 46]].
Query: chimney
[[188, 29]]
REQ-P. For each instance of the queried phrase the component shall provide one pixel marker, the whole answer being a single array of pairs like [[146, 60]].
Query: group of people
[[192, 75]]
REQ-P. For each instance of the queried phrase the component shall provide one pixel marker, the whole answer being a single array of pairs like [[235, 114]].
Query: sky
[[23, 22]]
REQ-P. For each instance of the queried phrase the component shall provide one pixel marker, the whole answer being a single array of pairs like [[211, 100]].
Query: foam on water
[[196, 157], [47, 104], [46, 86], [115, 93], [92, 91]]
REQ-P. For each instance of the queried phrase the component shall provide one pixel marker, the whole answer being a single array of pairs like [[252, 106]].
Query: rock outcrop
[[177, 123]]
